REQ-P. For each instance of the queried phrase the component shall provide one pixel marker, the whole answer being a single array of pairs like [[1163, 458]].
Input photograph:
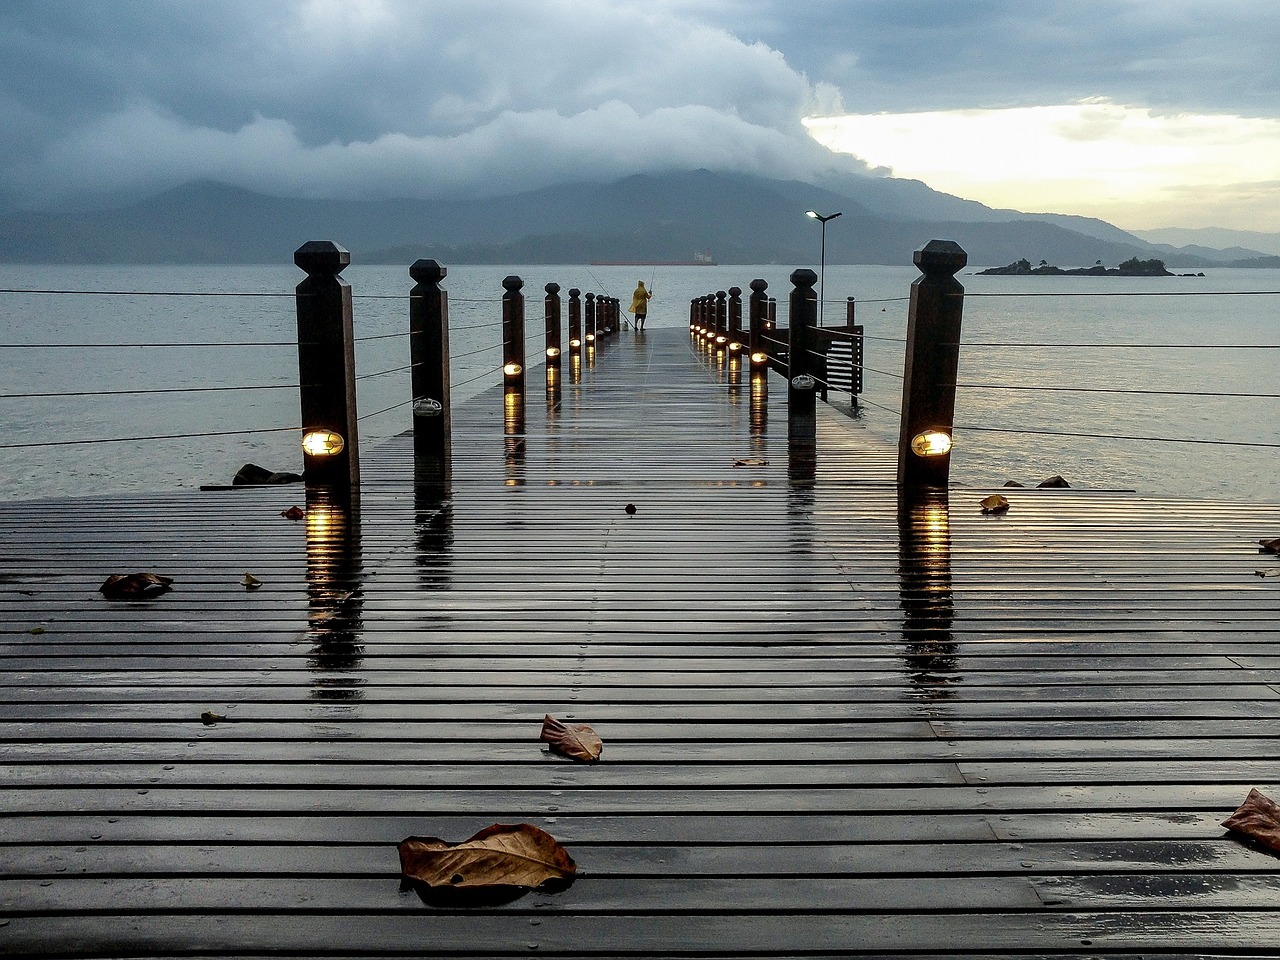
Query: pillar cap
[[322, 257], [804, 277], [552, 288], [759, 286], [512, 283], [428, 271], [941, 257]]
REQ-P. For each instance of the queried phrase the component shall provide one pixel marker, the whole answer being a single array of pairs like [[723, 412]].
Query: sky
[[1146, 113]]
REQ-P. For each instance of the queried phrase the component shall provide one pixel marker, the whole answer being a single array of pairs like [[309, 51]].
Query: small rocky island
[[1133, 267]]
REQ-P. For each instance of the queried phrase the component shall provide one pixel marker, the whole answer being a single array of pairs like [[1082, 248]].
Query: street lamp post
[[822, 262]]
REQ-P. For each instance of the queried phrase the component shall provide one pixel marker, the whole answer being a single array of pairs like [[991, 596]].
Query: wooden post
[[429, 376], [801, 391], [857, 351], [722, 318], [693, 318], [551, 311], [589, 321], [327, 372], [757, 311], [513, 337], [932, 360], [575, 320], [771, 321]]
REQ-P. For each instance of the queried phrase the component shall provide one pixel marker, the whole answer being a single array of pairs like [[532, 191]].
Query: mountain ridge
[[740, 217]]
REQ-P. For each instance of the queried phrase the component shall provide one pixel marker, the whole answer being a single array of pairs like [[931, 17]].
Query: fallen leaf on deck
[[1258, 819], [250, 582], [134, 586], [750, 462], [630, 508], [578, 742], [501, 856], [1270, 546], [1268, 573], [293, 513], [209, 718], [994, 504]]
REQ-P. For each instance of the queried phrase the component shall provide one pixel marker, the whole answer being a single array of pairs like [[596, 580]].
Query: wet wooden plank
[[827, 732]]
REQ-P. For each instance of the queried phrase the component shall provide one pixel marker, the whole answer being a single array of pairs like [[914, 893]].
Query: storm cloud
[[381, 98], [387, 97]]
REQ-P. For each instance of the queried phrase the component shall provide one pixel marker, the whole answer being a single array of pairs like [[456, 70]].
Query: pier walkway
[[830, 727]]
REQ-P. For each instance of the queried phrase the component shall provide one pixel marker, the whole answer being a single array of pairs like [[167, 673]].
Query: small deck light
[[553, 352], [591, 338], [322, 442], [427, 407], [931, 443], [512, 369], [721, 341], [759, 358], [803, 381], [575, 344], [734, 346]]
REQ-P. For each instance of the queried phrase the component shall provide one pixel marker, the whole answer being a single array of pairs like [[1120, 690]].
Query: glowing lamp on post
[[512, 370], [734, 346], [322, 443], [575, 344], [931, 443], [553, 352], [759, 359], [591, 338]]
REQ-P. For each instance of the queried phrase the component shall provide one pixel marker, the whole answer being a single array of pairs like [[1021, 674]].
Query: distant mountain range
[[740, 219]]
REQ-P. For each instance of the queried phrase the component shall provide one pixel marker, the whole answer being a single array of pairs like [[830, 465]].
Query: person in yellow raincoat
[[640, 303]]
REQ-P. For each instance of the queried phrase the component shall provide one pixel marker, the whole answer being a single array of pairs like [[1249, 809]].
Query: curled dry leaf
[[1273, 572], [134, 586], [1270, 546], [994, 504], [250, 582], [293, 513], [750, 462], [578, 742], [209, 718], [1258, 819], [503, 855]]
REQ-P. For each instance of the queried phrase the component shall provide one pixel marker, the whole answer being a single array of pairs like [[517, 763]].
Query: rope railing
[[1114, 390], [1118, 436], [164, 436], [145, 391]]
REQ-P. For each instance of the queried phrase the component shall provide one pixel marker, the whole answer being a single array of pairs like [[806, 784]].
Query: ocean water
[[1196, 355]]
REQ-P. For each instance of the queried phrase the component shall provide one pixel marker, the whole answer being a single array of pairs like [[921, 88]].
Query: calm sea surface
[[1184, 349]]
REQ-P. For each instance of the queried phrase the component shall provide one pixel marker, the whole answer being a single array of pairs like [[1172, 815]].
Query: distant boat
[[702, 258]]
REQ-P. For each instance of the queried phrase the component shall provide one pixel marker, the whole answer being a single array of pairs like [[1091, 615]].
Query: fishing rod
[[607, 293]]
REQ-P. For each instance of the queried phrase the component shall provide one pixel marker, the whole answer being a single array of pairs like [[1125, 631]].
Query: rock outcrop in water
[[1133, 267]]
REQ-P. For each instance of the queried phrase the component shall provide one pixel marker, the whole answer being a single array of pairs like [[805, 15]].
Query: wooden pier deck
[[831, 728]]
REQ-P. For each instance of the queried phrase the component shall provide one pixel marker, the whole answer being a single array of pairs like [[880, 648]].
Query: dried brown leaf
[[293, 513], [1258, 819], [134, 586], [994, 504], [503, 855], [250, 582], [578, 741], [1270, 546], [750, 462], [209, 718]]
